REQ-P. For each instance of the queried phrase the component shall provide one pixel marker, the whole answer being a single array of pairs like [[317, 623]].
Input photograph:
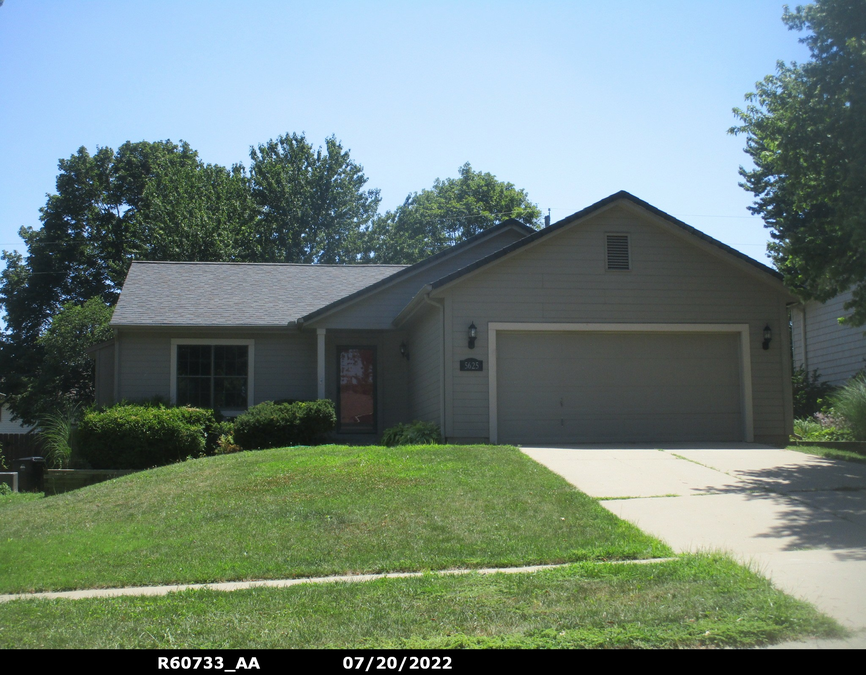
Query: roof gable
[[419, 268], [621, 196]]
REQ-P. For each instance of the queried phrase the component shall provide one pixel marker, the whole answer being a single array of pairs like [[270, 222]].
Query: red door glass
[[357, 389]]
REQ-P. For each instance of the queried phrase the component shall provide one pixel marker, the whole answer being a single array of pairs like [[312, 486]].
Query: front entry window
[[357, 389]]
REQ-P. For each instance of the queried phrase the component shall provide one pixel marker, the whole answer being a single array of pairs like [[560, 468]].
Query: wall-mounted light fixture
[[473, 334], [768, 335], [404, 350]]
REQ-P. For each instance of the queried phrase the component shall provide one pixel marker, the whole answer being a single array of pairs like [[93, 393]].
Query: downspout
[[803, 334], [801, 307], [441, 309], [116, 392]]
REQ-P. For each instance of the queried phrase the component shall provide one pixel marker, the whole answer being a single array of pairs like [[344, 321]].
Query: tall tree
[[201, 212], [453, 210], [312, 203], [805, 132]]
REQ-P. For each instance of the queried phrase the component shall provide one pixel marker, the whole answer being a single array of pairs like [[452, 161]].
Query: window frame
[[215, 342]]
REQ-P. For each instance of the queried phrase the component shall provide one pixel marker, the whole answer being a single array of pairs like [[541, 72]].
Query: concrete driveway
[[798, 519]]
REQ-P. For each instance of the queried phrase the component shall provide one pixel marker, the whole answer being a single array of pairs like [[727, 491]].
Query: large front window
[[213, 375]]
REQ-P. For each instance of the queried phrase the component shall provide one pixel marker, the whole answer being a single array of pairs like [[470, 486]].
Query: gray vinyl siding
[[378, 310], [285, 362], [144, 365], [836, 351], [563, 279], [285, 367], [104, 367], [425, 370], [394, 380]]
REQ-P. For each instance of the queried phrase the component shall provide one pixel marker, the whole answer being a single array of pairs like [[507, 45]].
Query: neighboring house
[[837, 351], [617, 324], [10, 426]]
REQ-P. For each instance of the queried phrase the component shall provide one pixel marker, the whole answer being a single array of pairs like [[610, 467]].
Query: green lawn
[[829, 453], [334, 510], [310, 512], [694, 601]]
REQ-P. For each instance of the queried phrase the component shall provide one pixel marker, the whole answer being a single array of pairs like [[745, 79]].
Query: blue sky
[[570, 101]]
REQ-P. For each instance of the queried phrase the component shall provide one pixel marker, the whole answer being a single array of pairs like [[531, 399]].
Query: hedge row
[[275, 425], [143, 436], [140, 437]]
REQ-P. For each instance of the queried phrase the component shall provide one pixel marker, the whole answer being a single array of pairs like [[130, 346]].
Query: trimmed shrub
[[850, 403], [276, 425], [413, 433], [316, 419], [140, 437]]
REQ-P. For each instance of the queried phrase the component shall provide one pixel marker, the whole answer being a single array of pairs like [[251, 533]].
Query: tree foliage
[[312, 203], [452, 211], [805, 132], [200, 212], [63, 378]]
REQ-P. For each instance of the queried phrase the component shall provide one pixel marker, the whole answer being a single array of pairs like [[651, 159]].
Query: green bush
[[140, 437], [413, 433], [810, 394], [276, 425], [850, 403], [821, 427], [225, 444], [3, 465]]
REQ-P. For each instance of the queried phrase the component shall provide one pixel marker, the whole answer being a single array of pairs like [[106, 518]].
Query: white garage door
[[585, 387]]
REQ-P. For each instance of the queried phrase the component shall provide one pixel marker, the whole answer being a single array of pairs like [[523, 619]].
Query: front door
[[356, 398]]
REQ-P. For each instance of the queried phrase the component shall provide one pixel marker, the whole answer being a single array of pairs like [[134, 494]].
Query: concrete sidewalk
[[228, 586], [798, 519]]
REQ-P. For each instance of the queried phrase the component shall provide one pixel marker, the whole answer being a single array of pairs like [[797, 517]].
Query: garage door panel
[[651, 429], [606, 387]]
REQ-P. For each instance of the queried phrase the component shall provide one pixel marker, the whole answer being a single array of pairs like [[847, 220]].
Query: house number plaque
[[472, 364]]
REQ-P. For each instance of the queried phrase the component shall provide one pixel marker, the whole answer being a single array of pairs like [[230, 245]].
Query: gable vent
[[617, 252]]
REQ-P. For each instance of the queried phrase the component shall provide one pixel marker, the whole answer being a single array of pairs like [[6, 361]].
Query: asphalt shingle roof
[[236, 294]]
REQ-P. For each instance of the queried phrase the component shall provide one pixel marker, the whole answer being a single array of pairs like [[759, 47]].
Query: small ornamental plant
[[413, 433]]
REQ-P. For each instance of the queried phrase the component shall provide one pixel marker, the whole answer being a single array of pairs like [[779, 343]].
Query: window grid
[[213, 376]]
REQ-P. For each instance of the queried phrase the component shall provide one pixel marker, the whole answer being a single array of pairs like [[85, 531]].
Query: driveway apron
[[798, 519]]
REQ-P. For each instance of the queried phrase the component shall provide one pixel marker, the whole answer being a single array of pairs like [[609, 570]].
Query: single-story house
[[617, 324], [837, 351]]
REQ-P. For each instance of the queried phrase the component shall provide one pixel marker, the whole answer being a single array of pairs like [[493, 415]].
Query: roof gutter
[[416, 302]]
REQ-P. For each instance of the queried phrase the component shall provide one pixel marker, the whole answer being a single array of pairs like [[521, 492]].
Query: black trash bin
[[31, 474]]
